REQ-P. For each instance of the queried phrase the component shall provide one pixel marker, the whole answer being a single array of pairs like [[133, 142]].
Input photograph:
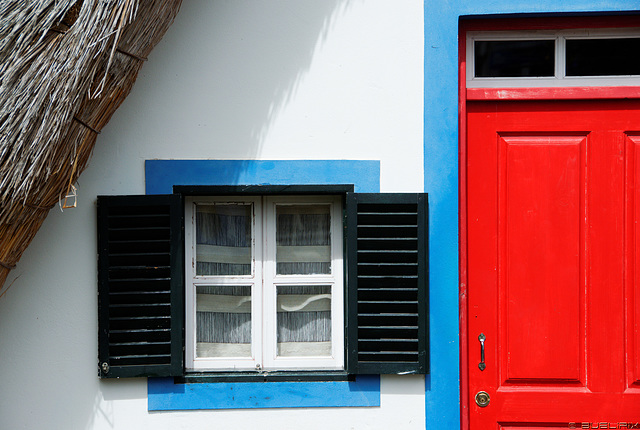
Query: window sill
[[264, 376]]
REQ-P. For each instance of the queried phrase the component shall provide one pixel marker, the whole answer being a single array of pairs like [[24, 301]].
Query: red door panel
[[539, 198], [553, 208], [632, 233]]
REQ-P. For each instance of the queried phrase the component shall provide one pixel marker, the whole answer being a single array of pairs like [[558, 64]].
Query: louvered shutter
[[140, 286], [387, 324]]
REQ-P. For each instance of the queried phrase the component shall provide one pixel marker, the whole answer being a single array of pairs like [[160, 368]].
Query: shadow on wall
[[237, 63], [229, 68]]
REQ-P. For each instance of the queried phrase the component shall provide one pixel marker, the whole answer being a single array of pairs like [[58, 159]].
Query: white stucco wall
[[235, 79]]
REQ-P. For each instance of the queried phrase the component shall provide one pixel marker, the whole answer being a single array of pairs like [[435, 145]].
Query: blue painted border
[[160, 177], [165, 395], [441, 19]]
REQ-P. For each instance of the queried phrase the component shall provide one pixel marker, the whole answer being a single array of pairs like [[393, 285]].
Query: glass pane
[[304, 321], [303, 239], [603, 57], [514, 58], [223, 239], [223, 321]]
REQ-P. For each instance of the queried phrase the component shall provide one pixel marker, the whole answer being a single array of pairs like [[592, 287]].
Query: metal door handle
[[482, 338]]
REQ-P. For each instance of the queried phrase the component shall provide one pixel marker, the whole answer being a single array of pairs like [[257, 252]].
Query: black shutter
[[140, 286], [387, 276]]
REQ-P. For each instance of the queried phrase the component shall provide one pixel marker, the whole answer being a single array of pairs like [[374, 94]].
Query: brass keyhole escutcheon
[[482, 399]]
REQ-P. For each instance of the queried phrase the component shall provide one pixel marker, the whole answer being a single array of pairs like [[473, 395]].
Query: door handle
[[482, 338]]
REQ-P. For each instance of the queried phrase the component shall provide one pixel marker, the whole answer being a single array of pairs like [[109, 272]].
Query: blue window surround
[[160, 177]]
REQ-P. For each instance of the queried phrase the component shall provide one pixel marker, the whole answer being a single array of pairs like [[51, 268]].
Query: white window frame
[[559, 79], [264, 281]]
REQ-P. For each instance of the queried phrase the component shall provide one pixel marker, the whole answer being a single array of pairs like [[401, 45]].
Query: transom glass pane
[[603, 57], [304, 321], [303, 239], [223, 321], [514, 58], [223, 239]]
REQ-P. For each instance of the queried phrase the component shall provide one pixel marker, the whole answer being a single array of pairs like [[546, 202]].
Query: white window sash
[[193, 362], [305, 360], [264, 282]]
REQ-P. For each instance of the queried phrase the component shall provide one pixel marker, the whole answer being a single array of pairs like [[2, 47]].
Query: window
[[350, 268], [602, 56], [514, 58], [264, 283], [588, 57]]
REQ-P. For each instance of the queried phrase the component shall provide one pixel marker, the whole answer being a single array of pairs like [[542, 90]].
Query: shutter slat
[[140, 254], [387, 283], [130, 334], [138, 293], [140, 280], [142, 357], [132, 307], [140, 273], [139, 343], [398, 302], [119, 337], [140, 317], [131, 241]]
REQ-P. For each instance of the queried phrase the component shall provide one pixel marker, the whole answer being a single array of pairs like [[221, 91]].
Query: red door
[[553, 210]]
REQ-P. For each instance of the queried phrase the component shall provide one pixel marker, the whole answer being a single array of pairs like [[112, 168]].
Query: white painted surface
[[262, 79]]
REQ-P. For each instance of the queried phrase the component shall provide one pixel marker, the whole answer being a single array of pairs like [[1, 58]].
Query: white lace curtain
[[223, 247]]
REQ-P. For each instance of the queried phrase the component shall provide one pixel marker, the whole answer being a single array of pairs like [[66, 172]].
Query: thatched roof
[[65, 67]]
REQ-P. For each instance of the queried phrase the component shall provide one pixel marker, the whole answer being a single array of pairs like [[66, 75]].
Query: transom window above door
[[561, 58]]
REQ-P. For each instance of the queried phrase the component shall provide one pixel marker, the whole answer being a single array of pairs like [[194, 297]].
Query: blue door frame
[[441, 26]]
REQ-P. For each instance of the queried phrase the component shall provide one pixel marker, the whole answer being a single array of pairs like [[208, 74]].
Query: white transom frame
[[559, 79]]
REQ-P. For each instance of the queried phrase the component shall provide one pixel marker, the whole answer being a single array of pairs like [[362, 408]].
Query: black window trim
[[261, 190]]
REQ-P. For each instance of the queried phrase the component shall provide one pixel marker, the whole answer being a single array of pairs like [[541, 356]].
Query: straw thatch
[[65, 67]]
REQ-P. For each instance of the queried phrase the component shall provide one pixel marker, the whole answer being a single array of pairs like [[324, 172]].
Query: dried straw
[[65, 67]]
